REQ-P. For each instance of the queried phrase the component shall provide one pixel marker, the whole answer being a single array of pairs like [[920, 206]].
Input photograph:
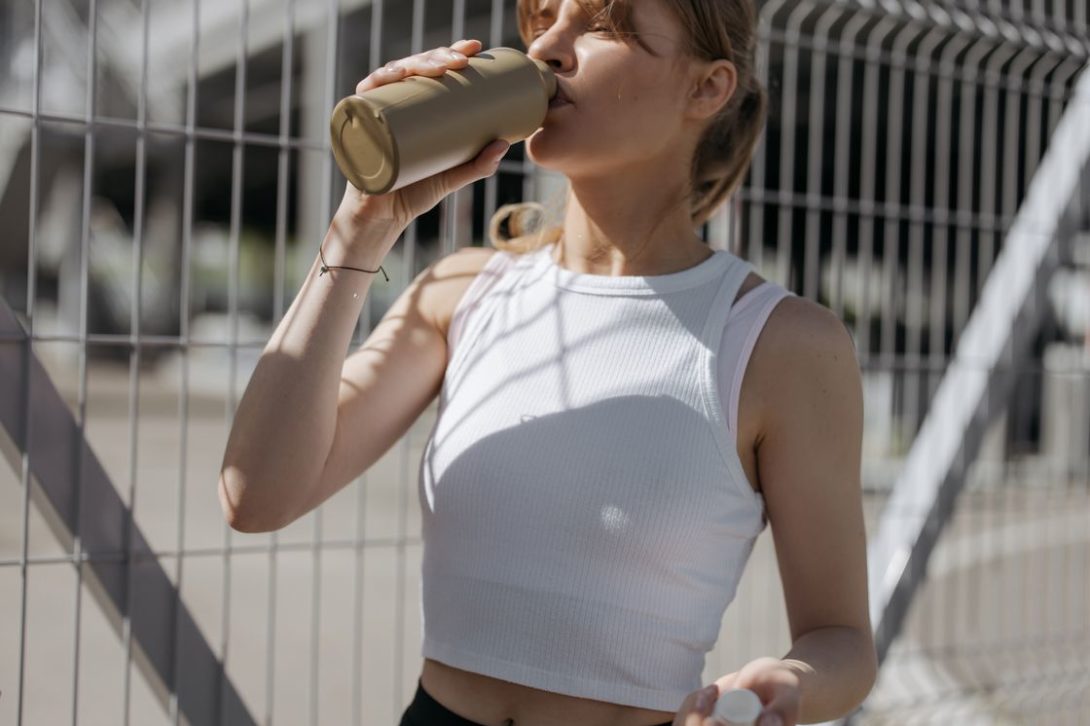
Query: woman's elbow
[[241, 512]]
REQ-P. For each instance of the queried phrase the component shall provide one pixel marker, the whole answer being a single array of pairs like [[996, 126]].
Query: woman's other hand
[[775, 683], [696, 709]]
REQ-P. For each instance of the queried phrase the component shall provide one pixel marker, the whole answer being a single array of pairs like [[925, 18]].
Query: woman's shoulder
[[804, 353], [799, 329], [451, 277]]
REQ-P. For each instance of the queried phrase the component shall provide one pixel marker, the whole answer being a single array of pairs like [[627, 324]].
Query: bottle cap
[[363, 146], [547, 76], [738, 707]]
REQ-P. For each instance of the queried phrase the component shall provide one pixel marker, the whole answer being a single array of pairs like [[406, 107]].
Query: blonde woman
[[622, 410]]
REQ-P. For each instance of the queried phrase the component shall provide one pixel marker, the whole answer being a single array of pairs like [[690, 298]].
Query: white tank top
[[585, 515]]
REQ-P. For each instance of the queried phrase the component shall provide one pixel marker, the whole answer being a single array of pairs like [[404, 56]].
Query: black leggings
[[426, 711]]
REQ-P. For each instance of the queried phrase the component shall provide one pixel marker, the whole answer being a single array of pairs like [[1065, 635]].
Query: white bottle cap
[[738, 707]]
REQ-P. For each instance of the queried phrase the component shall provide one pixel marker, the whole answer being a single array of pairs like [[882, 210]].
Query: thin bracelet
[[326, 268]]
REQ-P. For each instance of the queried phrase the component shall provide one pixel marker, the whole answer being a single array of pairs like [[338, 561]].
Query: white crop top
[[586, 518]]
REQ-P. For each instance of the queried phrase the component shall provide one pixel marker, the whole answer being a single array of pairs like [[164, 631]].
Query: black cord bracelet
[[326, 268]]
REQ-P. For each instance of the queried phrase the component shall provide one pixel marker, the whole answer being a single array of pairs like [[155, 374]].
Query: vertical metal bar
[[789, 119], [357, 599], [811, 277], [233, 243], [1013, 81], [451, 205], [1040, 17], [1032, 149], [458, 20], [134, 352], [183, 335], [755, 248], [891, 237], [85, 271], [377, 13], [967, 200], [766, 19], [1071, 65], [404, 468], [491, 184], [990, 150], [842, 155], [279, 270], [332, 26], [944, 122], [1012, 191], [918, 183], [408, 266], [32, 276], [868, 176]]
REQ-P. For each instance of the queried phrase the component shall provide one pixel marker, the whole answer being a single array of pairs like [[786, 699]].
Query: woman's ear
[[714, 84]]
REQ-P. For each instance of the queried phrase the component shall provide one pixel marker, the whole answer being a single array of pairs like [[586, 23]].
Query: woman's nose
[[554, 50]]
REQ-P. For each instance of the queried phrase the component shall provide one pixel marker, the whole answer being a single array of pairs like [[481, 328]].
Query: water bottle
[[400, 133]]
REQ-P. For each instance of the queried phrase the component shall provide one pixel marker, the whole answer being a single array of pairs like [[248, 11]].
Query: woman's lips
[[560, 99]]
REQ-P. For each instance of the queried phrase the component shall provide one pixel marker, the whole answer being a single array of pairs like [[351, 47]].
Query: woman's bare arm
[[284, 425], [310, 420], [397, 373], [808, 455], [286, 451]]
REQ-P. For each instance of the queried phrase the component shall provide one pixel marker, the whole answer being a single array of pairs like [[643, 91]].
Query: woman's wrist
[[362, 246]]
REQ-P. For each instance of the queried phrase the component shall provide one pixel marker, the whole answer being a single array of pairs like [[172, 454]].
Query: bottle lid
[[738, 706], [547, 76], [363, 146]]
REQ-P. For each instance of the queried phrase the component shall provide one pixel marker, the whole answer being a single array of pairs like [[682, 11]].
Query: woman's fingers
[[696, 709], [430, 63], [425, 194], [468, 45]]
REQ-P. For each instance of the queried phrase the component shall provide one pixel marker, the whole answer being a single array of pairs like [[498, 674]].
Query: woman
[[622, 408]]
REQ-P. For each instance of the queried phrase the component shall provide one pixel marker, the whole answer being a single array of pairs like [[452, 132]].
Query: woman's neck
[[634, 227]]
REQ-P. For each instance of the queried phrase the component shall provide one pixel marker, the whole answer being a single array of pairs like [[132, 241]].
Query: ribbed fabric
[[586, 518]]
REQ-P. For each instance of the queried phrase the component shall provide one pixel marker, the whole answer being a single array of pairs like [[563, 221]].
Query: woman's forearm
[[284, 425], [837, 667]]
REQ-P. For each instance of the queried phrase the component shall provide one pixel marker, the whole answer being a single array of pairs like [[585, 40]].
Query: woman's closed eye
[[599, 22], [598, 28]]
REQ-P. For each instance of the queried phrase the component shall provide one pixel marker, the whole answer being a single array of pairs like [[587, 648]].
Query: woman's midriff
[[488, 700]]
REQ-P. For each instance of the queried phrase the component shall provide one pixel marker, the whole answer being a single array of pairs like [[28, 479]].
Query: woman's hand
[[770, 678], [402, 206], [697, 707]]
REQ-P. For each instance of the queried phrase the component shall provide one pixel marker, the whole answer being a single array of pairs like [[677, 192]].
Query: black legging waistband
[[426, 711]]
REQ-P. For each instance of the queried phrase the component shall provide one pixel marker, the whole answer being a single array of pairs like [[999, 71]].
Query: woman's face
[[625, 103]]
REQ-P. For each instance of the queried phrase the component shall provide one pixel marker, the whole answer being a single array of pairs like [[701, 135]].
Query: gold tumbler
[[397, 134]]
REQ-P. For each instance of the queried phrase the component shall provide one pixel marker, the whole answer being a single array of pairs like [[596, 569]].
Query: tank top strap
[[729, 285], [498, 275]]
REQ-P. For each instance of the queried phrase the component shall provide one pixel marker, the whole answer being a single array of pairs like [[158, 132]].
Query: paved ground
[[999, 635]]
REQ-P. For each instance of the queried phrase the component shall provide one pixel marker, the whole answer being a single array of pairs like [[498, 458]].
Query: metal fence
[[164, 180]]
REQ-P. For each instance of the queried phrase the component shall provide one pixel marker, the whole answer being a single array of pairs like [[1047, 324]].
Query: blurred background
[[165, 179]]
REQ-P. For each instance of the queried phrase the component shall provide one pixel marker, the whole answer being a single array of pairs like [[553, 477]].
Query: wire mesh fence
[[164, 180]]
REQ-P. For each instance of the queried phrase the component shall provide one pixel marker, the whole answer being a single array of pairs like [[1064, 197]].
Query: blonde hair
[[714, 29]]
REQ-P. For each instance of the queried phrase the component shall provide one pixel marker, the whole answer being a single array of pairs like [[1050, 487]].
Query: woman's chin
[[543, 149]]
